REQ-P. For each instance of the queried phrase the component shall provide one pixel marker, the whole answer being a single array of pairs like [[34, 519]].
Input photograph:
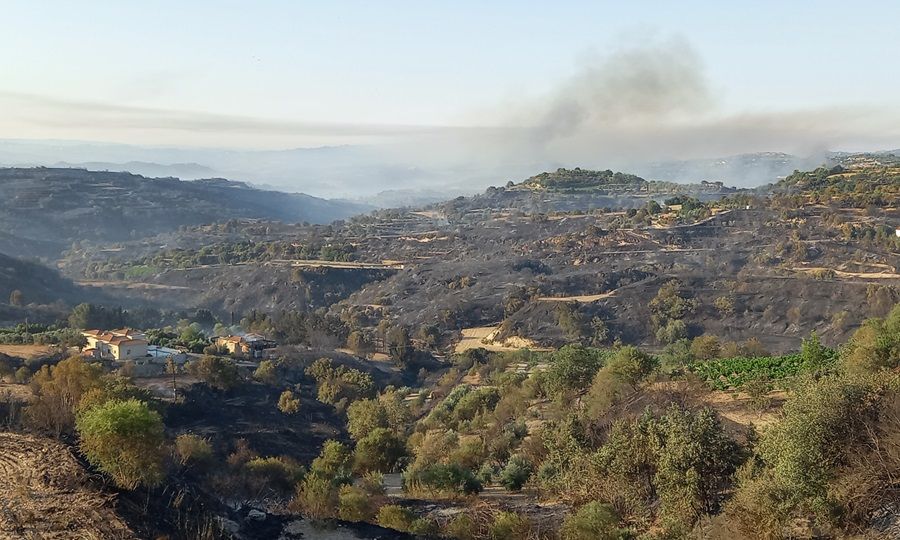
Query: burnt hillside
[[44, 210]]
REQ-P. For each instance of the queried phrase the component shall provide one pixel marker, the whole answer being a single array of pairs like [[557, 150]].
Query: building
[[160, 355], [120, 344], [247, 346]]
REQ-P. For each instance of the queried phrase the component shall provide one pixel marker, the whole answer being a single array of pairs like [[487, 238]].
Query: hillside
[[44, 210], [40, 477], [541, 265]]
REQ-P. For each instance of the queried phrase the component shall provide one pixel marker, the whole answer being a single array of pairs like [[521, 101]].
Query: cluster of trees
[[223, 253], [88, 315], [671, 466], [669, 308], [857, 188], [580, 179], [41, 334]]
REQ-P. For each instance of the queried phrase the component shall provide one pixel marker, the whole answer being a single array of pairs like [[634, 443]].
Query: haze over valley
[[471, 271]]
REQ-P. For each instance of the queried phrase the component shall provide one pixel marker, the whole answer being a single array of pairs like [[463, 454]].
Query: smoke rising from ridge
[[646, 84], [629, 110]]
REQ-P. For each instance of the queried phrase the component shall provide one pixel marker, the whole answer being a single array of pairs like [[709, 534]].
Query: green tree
[[218, 372], [379, 451], [266, 372], [631, 365], [364, 416], [517, 471], [288, 402], [123, 439], [333, 460], [58, 392], [572, 368]]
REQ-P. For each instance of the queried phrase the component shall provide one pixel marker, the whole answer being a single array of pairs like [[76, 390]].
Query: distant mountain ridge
[[184, 171], [44, 210]]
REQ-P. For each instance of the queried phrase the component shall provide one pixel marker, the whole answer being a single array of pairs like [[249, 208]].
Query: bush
[[517, 471], [395, 517], [705, 348], [266, 372], [277, 473], [424, 527], [445, 479], [593, 521], [354, 504], [509, 526], [316, 497], [193, 449], [124, 440], [288, 402], [461, 527]]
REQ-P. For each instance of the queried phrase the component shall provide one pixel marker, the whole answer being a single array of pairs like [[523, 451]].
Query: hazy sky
[[275, 74]]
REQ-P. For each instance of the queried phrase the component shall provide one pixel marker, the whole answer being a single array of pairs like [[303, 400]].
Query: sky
[[558, 80]]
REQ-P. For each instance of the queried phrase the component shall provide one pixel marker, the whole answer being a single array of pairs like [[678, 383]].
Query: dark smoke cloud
[[626, 110], [646, 84]]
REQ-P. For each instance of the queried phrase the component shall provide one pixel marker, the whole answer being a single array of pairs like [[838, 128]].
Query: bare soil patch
[[483, 337], [44, 493], [27, 352]]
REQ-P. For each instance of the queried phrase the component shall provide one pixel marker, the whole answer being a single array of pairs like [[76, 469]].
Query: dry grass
[[27, 351], [43, 494]]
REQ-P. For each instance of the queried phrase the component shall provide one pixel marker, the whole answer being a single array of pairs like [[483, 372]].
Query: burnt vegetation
[[582, 354]]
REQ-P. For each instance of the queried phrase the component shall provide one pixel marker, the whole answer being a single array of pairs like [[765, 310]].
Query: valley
[[460, 369]]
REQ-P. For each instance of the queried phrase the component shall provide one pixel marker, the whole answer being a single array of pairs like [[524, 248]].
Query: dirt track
[[43, 494]]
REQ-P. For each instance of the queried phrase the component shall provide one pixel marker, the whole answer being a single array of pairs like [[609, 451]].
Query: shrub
[[461, 527], [424, 527], [509, 526], [288, 402], [193, 449], [316, 497], [593, 521], [124, 440], [517, 471], [395, 517], [354, 504], [705, 348], [445, 478], [266, 372], [278, 473]]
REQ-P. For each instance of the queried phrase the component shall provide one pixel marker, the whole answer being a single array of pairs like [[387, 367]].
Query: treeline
[[223, 253], [856, 188]]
